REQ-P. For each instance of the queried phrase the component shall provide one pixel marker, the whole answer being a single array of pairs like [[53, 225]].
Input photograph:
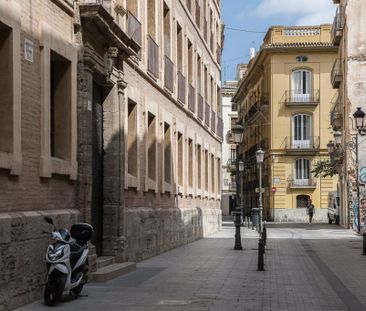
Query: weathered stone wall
[[22, 252], [155, 223], [299, 215]]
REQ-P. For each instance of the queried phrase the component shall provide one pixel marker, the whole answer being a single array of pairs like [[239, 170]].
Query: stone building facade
[[38, 157], [349, 79], [282, 103], [111, 115]]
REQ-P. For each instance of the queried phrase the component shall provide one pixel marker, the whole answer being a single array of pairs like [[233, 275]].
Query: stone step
[[104, 261], [112, 271]]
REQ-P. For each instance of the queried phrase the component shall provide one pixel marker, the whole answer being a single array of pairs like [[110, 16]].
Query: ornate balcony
[[309, 145], [336, 74], [338, 25], [301, 183], [298, 98], [336, 114], [231, 165]]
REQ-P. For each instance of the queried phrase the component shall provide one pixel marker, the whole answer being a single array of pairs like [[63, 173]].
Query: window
[[6, 87], [132, 138], [167, 153], [218, 176], [190, 62], [301, 129], [205, 83], [213, 174], [180, 159], [206, 170], [151, 18], [190, 163], [166, 30], [199, 166], [60, 106], [302, 201], [10, 88], [179, 48], [199, 75], [301, 85], [151, 145], [302, 172]]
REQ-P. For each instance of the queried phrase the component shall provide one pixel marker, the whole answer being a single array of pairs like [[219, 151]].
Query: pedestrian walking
[[310, 209]]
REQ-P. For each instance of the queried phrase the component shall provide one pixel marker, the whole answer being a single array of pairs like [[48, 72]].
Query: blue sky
[[258, 15]]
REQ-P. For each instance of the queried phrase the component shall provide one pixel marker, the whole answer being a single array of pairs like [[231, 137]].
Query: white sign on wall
[[28, 50], [276, 180]]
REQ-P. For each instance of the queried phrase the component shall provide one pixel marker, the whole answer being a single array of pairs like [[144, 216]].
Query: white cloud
[[309, 12]]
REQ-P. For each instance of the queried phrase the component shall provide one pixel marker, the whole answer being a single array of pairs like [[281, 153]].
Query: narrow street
[[308, 267]]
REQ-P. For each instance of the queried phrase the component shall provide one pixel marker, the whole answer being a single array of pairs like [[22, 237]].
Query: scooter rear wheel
[[54, 288]]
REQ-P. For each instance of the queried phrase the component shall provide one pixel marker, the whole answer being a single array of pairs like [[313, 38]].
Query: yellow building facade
[[284, 103]]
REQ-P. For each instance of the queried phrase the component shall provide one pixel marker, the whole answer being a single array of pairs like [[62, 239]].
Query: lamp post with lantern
[[260, 157], [337, 150], [237, 132]]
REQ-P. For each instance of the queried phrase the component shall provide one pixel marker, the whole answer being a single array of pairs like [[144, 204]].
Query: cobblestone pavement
[[308, 267]]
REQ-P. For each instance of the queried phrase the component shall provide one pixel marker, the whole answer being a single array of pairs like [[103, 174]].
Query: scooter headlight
[[54, 255]]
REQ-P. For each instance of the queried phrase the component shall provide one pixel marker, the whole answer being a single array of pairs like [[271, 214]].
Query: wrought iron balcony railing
[[336, 74], [336, 114], [302, 97], [338, 25], [302, 183], [294, 144]]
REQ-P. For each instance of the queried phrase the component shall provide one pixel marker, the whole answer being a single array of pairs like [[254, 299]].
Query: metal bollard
[[364, 243], [260, 255], [264, 235]]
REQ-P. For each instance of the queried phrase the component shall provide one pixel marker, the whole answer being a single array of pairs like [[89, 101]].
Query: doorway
[[97, 167]]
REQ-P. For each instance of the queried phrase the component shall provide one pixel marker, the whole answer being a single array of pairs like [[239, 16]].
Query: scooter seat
[[76, 252]]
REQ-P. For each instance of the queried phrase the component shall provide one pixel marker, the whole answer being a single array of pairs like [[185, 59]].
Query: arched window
[[302, 201], [302, 172], [301, 131], [301, 85]]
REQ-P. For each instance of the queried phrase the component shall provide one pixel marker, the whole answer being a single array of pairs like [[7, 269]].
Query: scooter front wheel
[[54, 288]]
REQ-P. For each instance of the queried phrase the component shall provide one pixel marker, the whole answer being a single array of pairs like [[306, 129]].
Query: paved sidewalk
[[308, 267]]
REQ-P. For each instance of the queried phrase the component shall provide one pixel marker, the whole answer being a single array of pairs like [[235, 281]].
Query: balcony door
[[301, 85], [301, 129], [302, 172]]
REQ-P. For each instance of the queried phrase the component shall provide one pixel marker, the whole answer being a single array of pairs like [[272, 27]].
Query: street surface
[[308, 267]]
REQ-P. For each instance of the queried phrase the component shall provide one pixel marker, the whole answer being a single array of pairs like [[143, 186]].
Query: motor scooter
[[67, 261]]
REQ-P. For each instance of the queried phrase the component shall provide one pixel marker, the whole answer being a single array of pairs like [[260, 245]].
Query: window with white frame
[[302, 131], [301, 85], [302, 172]]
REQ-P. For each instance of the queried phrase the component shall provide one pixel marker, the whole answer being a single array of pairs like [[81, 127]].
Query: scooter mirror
[[49, 220]]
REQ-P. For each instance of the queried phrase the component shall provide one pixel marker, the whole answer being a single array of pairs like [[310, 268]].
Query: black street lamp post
[[237, 131]]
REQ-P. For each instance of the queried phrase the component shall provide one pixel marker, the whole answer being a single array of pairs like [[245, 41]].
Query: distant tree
[[324, 168]]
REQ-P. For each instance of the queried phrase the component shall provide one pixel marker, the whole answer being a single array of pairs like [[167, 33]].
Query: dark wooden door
[[97, 167]]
